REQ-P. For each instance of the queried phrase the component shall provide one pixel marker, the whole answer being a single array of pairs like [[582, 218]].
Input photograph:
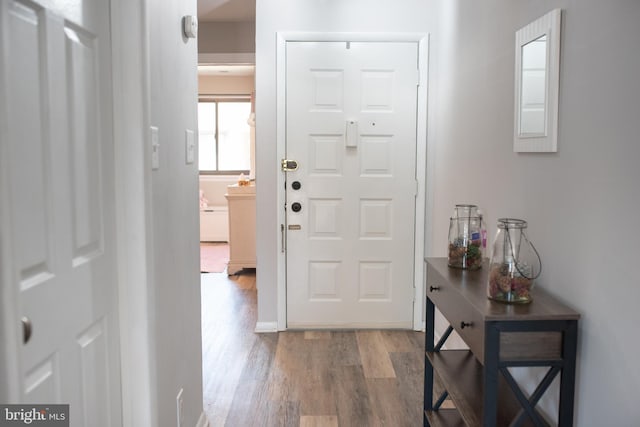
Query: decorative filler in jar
[[511, 269], [465, 238]]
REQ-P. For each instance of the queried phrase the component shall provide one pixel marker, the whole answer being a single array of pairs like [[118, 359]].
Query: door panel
[[58, 182], [351, 126], [84, 133]]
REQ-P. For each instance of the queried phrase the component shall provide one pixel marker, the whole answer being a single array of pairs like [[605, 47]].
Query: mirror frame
[[548, 25]]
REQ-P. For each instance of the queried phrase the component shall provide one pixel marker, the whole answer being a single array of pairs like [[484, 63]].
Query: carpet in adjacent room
[[214, 257]]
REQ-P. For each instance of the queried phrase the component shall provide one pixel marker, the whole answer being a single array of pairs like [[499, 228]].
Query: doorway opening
[[226, 160], [226, 134]]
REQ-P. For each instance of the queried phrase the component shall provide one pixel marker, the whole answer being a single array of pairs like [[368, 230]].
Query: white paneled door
[[351, 131], [57, 215]]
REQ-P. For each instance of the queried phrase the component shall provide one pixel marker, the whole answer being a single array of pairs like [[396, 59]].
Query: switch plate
[[155, 148], [190, 146], [190, 26]]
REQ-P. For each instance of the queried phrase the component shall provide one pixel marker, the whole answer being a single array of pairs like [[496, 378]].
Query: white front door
[[58, 215], [350, 214]]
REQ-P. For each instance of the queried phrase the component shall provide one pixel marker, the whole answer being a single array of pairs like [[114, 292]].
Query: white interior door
[[351, 128], [57, 192]]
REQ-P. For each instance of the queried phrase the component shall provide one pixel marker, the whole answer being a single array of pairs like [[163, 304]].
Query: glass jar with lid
[[465, 238], [514, 264]]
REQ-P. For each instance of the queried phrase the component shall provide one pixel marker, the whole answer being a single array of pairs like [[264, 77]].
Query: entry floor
[[302, 378]]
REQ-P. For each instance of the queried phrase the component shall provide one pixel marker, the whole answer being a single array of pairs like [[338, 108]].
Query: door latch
[[288, 165], [27, 329]]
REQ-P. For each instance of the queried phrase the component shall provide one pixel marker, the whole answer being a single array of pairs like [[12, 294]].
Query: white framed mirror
[[537, 81]]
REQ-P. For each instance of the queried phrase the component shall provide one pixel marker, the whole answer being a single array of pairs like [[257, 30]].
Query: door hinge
[[417, 188], [418, 77]]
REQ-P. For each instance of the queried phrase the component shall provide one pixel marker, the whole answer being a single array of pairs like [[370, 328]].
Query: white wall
[[231, 85], [581, 203], [174, 214]]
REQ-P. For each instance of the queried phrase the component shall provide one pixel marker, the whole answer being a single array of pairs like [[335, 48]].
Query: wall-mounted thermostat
[[190, 26]]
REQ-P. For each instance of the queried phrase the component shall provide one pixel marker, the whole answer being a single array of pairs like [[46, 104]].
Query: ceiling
[[226, 10]]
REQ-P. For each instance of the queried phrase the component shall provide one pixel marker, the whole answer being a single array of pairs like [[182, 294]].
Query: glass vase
[[465, 238], [514, 264]]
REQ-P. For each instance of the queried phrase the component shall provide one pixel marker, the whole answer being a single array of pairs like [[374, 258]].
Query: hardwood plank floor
[[302, 378]]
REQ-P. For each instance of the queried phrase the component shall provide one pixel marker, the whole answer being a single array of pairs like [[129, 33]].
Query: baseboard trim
[[203, 421], [350, 325], [266, 327]]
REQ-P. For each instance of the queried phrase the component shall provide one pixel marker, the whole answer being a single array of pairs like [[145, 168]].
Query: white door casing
[[57, 217], [351, 126]]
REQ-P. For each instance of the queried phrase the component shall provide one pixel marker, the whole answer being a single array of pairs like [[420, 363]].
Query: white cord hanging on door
[[352, 134]]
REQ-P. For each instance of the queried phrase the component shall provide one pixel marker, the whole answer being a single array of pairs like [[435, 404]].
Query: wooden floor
[[349, 378]]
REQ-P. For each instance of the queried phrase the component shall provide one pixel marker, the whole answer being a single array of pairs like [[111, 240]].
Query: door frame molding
[[131, 118], [422, 39]]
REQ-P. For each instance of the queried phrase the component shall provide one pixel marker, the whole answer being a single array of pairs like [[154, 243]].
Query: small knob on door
[[296, 207], [296, 185], [26, 329]]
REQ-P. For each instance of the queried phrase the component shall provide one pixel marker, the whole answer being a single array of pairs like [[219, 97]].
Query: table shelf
[[499, 336]]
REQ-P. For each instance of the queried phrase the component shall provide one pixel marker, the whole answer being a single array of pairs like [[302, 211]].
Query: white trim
[[349, 325], [281, 126], [352, 37], [266, 327], [226, 58], [129, 28], [421, 174], [203, 421], [423, 204]]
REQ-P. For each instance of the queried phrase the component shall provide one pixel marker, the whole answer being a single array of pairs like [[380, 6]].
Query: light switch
[[155, 148], [190, 26], [190, 144]]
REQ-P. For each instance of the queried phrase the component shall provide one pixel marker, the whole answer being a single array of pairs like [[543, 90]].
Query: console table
[[499, 336]]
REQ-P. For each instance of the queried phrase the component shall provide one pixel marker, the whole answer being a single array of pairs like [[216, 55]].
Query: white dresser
[[242, 227], [214, 224]]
